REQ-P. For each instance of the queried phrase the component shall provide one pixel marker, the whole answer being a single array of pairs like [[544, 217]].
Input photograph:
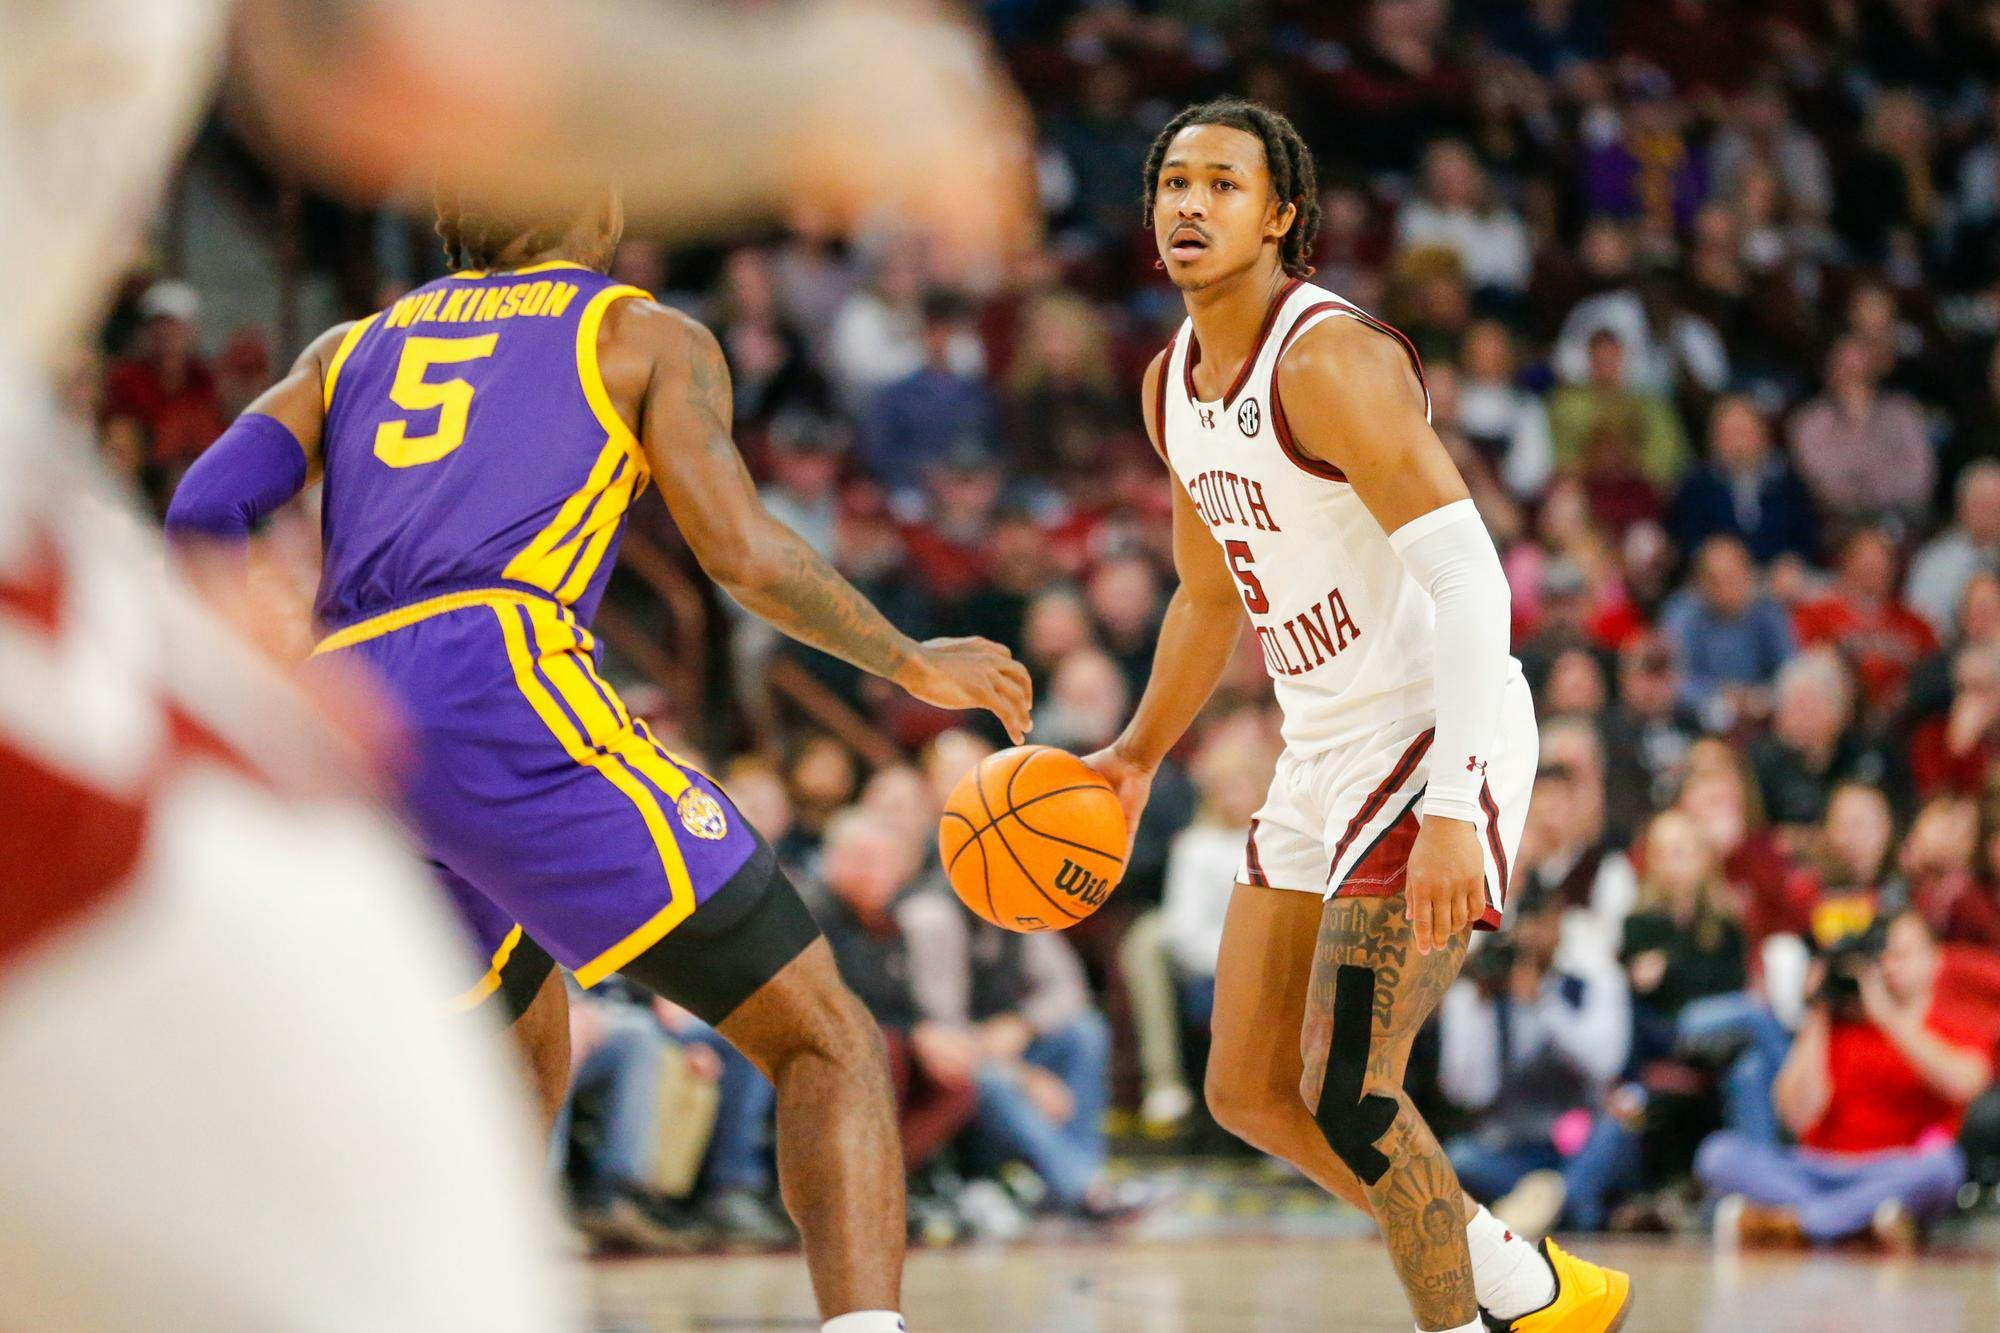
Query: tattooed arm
[[666, 372]]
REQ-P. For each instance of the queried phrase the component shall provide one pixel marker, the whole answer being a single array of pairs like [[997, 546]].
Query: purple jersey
[[470, 443]]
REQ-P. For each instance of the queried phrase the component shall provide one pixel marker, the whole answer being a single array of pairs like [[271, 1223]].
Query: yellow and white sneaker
[[1588, 1299]]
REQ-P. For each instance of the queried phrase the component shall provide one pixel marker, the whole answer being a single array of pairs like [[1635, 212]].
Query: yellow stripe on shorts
[[376, 626], [553, 650], [472, 996]]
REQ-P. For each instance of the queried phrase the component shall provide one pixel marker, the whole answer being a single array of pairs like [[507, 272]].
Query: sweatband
[[1449, 552], [247, 474]]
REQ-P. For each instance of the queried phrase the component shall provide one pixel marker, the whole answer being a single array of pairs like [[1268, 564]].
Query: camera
[[1845, 959]]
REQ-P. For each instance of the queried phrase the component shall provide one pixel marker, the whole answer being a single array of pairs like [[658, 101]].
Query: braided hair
[[477, 235], [1293, 178]]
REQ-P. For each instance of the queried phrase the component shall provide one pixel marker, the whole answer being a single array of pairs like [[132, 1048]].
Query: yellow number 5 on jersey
[[413, 393]]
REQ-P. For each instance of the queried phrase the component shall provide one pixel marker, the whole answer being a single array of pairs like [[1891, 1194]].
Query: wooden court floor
[[1292, 1285]]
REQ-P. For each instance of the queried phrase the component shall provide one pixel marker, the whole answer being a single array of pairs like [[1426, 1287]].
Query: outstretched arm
[[684, 426], [264, 459], [798, 100], [1203, 622], [1356, 402]]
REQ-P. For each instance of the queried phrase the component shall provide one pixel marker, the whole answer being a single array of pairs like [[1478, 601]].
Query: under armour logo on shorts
[[1474, 764]]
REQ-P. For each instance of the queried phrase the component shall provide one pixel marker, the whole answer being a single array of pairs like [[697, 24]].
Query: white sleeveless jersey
[[1346, 633]]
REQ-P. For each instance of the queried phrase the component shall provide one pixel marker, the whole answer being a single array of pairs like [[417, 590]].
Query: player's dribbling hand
[[1446, 886], [972, 673], [1132, 782]]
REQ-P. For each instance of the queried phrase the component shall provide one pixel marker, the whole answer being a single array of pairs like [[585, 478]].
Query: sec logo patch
[[1248, 417], [701, 814]]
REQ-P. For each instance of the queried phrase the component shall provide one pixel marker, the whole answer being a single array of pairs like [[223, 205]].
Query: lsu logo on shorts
[[701, 814]]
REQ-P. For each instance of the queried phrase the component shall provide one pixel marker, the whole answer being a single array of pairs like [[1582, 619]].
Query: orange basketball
[[1033, 839]]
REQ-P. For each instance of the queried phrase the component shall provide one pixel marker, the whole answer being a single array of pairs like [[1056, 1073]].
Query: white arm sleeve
[[1450, 555]]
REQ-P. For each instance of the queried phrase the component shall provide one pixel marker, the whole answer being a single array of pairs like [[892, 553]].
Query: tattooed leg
[[1370, 992]]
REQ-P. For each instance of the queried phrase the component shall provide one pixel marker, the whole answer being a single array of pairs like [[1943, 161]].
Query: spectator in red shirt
[[1862, 616], [1956, 752], [165, 386], [1875, 1086]]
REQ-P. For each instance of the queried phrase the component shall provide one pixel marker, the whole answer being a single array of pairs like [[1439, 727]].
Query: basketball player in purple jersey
[[481, 441]]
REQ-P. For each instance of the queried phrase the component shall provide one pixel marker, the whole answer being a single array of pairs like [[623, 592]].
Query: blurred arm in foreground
[[708, 115]]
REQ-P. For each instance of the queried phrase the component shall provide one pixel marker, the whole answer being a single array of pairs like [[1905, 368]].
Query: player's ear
[[614, 214], [1283, 214]]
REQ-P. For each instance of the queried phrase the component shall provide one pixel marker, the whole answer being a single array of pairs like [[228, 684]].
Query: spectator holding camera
[[1874, 1088]]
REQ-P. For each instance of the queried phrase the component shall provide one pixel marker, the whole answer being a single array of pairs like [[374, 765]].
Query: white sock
[[1474, 1327], [865, 1321], [1509, 1275]]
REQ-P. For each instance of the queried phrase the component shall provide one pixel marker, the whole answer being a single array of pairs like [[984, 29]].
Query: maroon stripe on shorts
[[1492, 809], [1377, 798], [1378, 872], [1256, 865]]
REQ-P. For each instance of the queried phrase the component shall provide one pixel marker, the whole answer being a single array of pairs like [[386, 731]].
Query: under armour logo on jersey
[[1207, 415], [1247, 417], [1474, 764]]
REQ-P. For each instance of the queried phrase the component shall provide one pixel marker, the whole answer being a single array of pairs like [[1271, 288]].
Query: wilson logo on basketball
[[1080, 884]]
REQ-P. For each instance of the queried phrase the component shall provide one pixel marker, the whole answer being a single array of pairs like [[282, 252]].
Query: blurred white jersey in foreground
[[229, 1098]]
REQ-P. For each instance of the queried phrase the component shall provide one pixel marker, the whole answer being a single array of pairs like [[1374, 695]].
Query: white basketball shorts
[[1342, 820]]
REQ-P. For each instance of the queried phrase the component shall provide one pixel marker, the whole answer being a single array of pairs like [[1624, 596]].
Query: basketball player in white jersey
[[1310, 491]]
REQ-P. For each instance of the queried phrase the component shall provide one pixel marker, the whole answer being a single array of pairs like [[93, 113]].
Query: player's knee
[[831, 1027], [1353, 1113], [1244, 1106]]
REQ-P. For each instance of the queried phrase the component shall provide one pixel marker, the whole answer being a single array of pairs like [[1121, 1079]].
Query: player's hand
[[1133, 783], [972, 673], [1882, 1008], [1446, 888]]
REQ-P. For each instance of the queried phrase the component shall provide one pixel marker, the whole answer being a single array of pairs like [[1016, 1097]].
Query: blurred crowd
[[1708, 295]]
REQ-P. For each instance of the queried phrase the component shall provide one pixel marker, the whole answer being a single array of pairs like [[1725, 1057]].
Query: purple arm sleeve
[[254, 468]]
